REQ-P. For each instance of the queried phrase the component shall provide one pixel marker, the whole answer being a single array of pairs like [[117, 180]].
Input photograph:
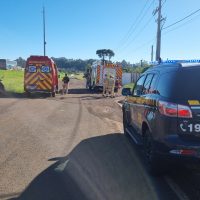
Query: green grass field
[[78, 76], [130, 85], [13, 80]]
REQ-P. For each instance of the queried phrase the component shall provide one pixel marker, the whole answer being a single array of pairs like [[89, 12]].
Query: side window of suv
[[147, 84], [165, 84], [139, 86], [152, 88]]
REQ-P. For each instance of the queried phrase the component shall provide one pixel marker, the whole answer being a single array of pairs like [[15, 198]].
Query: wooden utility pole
[[159, 28], [158, 43]]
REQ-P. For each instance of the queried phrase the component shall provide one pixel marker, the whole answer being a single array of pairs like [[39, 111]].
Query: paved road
[[71, 147]]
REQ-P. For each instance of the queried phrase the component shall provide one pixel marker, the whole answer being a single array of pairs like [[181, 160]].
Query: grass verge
[[13, 80], [130, 85]]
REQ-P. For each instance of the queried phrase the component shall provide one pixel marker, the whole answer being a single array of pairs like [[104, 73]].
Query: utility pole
[[151, 53], [160, 19], [44, 31]]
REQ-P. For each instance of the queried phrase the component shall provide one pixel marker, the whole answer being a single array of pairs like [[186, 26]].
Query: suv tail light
[[174, 110]]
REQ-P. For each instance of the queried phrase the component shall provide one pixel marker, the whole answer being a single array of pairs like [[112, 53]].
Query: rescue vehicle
[[98, 71], [40, 75]]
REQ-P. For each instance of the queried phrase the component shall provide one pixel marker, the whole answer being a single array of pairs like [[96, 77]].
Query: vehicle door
[[150, 102], [132, 102], [30, 77], [142, 101], [45, 77]]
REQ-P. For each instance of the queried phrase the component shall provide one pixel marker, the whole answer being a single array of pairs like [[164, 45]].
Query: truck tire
[[53, 94], [155, 165], [28, 94]]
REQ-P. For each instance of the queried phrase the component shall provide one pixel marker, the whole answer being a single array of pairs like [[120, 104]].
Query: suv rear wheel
[[154, 163]]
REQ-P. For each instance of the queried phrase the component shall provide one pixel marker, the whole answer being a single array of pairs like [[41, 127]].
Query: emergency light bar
[[175, 61]]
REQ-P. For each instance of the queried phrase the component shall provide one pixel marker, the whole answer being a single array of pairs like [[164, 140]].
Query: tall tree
[[110, 53], [21, 62], [102, 53]]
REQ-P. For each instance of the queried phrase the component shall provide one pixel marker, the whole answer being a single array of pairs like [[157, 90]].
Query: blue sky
[[77, 28]]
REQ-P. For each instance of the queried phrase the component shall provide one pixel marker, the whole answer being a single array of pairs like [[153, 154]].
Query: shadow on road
[[104, 167], [83, 91], [79, 91], [23, 95], [12, 95]]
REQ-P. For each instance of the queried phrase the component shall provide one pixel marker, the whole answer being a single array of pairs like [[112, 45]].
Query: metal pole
[[44, 31], [158, 44], [152, 53]]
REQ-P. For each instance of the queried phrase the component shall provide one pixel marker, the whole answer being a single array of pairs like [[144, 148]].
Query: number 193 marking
[[190, 128]]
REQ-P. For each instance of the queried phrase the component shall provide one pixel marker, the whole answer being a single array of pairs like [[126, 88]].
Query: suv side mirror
[[126, 91], [138, 92]]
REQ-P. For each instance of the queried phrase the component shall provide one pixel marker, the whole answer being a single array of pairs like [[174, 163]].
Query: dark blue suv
[[162, 112]]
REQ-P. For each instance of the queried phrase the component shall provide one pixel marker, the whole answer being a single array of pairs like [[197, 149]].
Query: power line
[[144, 44], [182, 19], [139, 32], [135, 22], [138, 22], [187, 22], [163, 3]]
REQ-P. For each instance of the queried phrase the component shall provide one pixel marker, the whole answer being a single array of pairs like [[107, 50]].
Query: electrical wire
[[139, 33], [138, 21], [131, 27], [181, 19], [191, 20], [144, 44]]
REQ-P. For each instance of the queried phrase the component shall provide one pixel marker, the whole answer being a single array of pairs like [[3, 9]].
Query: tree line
[[73, 65]]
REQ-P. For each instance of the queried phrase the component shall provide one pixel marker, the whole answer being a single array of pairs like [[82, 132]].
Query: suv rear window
[[166, 84], [187, 84]]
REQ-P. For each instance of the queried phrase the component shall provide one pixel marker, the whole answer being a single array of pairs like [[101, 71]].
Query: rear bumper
[[38, 91], [175, 148]]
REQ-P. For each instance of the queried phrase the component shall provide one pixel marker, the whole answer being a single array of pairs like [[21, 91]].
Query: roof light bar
[[176, 61]]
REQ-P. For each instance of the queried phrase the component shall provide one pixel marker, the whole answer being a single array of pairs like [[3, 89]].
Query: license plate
[[190, 127], [31, 87]]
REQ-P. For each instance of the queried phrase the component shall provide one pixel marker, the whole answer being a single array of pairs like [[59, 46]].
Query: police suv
[[162, 112]]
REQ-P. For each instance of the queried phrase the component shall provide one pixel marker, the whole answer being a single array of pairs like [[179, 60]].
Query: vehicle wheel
[[28, 94], [57, 92], [154, 164], [53, 94], [125, 124]]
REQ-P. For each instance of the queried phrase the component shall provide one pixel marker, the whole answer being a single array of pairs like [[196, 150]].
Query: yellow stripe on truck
[[41, 80]]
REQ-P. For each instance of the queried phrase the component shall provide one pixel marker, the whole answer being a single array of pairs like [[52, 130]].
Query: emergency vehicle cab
[[98, 71], [40, 75]]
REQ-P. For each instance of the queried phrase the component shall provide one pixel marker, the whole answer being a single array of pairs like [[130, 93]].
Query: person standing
[[105, 85], [117, 86], [65, 84], [112, 86]]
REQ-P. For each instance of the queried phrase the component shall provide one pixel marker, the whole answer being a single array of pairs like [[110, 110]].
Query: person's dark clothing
[[66, 79]]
